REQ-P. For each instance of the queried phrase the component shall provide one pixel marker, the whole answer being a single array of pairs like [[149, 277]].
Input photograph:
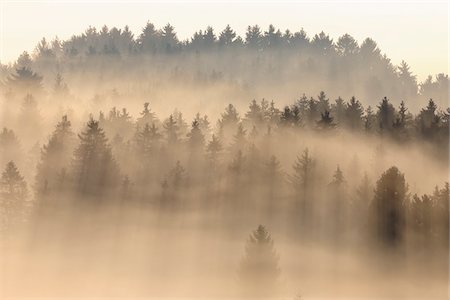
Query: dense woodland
[[333, 173]]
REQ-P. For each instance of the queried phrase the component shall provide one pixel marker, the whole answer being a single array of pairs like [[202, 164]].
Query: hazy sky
[[416, 31]]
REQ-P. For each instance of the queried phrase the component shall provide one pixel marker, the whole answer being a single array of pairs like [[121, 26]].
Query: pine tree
[[259, 271], [10, 148], [147, 116], [255, 114], [196, 139], [338, 110], [326, 121], [353, 113], [13, 193], [239, 139], [369, 120], [214, 150], [385, 116], [338, 178], [302, 178], [94, 169], [388, 206], [171, 128], [60, 88], [227, 36], [55, 157], [12, 185]]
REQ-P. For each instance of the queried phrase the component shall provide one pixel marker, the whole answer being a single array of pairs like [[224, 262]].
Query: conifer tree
[[13, 193], [55, 158], [388, 206], [259, 271], [95, 172]]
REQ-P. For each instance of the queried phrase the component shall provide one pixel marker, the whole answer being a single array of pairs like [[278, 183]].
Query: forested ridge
[[255, 64]]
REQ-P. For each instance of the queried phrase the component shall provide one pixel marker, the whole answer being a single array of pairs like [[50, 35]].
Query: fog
[[269, 166]]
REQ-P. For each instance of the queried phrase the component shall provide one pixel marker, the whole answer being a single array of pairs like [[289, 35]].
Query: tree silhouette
[[259, 271], [95, 172], [388, 207], [55, 158], [13, 185], [13, 193]]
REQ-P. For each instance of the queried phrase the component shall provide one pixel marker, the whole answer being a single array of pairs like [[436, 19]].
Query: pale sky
[[414, 31]]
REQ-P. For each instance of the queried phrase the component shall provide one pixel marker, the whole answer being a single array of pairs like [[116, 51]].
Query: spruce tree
[[259, 271], [94, 170], [55, 157], [388, 206]]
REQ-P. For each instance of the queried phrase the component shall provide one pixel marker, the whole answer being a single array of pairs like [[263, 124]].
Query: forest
[[152, 167]]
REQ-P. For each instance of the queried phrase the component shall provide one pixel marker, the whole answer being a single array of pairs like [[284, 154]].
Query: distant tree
[[272, 37], [347, 45], [436, 89], [55, 158], [10, 148], [12, 185], [402, 120], [302, 181], [182, 125], [323, 103], [337, 206], [227, 36], [428, 121], [203, 124], [353, 113], [237, 168], [273, 176], [169, 39], [408, 82], [24, 61], [323, 43], [255, 114], [60, 88], [196, 139], [95, 172], [369, 120], [388, 207], [171, 130], [147, 141], [272, 113], [25, 81], [326, 121], [13, 193], [385, 116], [291, 116], [177, 177], [441, 212], [214, 149], [312, 111], [239, 139], [253, 37], [229, 119], [338, 111], [369, 50], [421, 217], [149, 41], [259, 271], [118, 122], [147, 116]]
